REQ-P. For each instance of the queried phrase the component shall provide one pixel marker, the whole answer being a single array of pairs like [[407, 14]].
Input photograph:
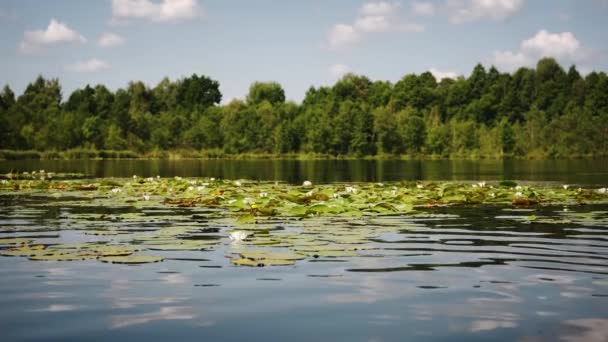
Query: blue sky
[[297, 43]]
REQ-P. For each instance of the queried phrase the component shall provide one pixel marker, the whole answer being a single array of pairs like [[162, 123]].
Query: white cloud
[[91, 65], [424, 9], [462, 11], [341, 35], [56, 33], [562, 46], [338, 70], [165, 11], [557, 45], [379, 8], [374, 23], [374, 17], [439, 75], [510, 61], [109, 39]]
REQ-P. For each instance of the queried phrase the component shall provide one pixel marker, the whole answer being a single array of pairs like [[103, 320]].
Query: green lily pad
[[15, 241], [131, 259], [264, 262]]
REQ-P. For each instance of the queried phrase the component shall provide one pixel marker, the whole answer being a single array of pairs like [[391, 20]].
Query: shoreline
[[83, 154]]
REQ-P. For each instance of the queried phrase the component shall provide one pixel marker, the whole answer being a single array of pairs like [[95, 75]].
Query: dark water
[[579, 171]]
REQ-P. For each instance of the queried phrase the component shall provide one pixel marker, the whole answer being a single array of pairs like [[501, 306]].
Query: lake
[[462, 273], [579, 171]]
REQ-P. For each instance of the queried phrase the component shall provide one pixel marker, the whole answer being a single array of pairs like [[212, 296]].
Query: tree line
[[534, 112]]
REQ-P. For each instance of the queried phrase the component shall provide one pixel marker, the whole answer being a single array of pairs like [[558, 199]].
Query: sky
[[296, 43]]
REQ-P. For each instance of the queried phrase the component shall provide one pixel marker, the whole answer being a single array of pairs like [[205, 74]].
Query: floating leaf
[[131, 259]]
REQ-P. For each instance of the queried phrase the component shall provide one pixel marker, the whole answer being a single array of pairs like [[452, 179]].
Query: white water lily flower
[[393, 192], [134, 176], [157, 176], [4, 181], [193, 182], [335, 195], [481, 184], [602, 190], [238, 183], [351, 189], [238, 236], [248, 200], [205, 184], [49, 175], [150, 179], [308, 194], [492, 195], [178, 178], [420, 186], [518, 187], [307, 183], [263, 194], [41, 171], [518, 194], [146, 197], [474, 185], [212, 179], [200, 188], [190, 188], [116, 190], [565, 186]]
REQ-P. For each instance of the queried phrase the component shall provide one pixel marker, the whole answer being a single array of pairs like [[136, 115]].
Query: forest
[[542, 112]]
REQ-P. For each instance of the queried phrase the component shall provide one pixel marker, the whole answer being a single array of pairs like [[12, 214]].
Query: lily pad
[[131, 259]]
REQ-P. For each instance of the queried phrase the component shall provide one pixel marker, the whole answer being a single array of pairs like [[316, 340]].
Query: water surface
[[580, 171]]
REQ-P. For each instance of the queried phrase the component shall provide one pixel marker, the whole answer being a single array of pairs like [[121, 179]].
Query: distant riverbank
[[77, 154]]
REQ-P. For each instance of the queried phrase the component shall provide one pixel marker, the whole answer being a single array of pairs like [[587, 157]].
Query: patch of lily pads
[[137, 220]]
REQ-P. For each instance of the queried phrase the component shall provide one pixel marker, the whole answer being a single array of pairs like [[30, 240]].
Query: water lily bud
[[307, 183], [134, 176], [565, 186]]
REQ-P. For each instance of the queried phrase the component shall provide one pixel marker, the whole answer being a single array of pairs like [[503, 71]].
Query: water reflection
[[582, 171], [165, 313], [586, 330]]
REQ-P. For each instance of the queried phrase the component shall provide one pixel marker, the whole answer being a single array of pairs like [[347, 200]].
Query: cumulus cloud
[[373, 17], [341, 35], [423, 8], [463, 11], [56, 33], [108, 39], [338, 70], [91, 65], [439, 74], [165, 11], [562, 46]]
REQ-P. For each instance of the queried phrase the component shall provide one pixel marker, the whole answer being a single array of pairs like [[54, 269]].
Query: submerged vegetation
[[136, 220], [542, 112]]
